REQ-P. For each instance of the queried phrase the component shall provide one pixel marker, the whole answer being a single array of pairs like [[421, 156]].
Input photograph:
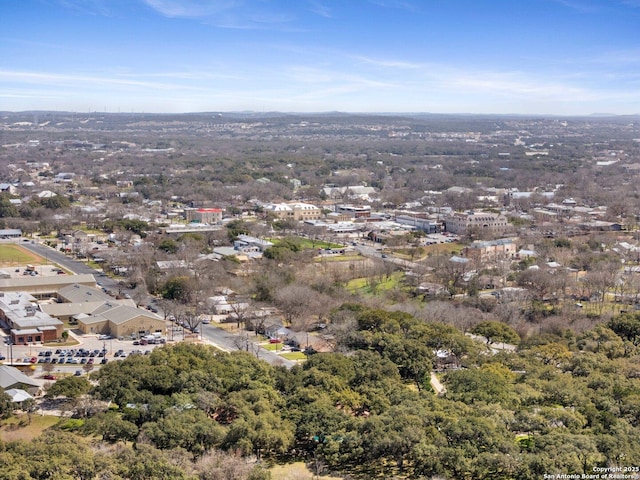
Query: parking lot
[[92, 350]]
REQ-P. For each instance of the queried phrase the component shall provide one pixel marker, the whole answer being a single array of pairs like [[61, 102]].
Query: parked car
[[50, 377]]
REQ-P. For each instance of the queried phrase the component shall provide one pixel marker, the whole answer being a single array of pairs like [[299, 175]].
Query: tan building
[[294, 211], [44, 286], [491, 250], [96, 312], [460, 222], [120, 321], [203, 215]]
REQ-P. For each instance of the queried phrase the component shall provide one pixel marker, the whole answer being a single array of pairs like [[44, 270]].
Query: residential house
[[8, 188]]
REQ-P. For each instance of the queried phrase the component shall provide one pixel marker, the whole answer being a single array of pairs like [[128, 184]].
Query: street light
[[10, 348]]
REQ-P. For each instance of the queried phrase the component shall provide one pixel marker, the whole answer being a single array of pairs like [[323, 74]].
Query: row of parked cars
[[63, 360], [68, 356], [123, 354]]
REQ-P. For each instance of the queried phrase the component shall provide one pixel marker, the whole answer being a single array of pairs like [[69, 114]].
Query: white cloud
[[319, 8], [90, 7], [190, 8], [69, 80], [231, 14]]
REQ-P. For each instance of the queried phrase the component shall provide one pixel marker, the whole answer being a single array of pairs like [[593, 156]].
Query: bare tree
[[600, 282]]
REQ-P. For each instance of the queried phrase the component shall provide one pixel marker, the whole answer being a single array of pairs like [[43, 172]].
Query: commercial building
[[299, 212], [42, 287], [203, 215], [26, 322], [491, 249], [462, 222]]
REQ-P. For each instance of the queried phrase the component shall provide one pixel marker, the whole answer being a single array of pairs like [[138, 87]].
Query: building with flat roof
[[299, 212], [27, 323], [78, 293], [491, 249], [44, 286], [10, 233], [462, 222], [203, 215], [354, 211], [422, 223]]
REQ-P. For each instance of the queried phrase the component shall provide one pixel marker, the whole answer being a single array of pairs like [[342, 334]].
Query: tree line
[[563, 403]]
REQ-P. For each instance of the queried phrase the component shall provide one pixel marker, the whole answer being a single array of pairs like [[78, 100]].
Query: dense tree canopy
[[568, 405]]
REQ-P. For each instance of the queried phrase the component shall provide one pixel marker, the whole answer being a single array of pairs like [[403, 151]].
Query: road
[[229, 342], [372, 252], [54, 256], [75, 266]]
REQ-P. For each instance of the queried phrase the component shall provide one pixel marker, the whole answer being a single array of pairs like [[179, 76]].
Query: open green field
[[13, 255], [440, 248], [307, 244], [371, 286]]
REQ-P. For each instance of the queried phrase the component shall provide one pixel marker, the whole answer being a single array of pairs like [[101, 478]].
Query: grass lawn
[[369, 286], [294, 356], [306, 243], [440, 248], [13, 255], [69, 343], [18, 427], [337, 258]]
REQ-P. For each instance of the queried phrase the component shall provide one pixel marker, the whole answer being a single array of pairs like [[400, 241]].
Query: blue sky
[[560, 57]]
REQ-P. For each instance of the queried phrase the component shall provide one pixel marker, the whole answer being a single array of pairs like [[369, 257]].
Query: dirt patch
[[20, 427], [296, 471]]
